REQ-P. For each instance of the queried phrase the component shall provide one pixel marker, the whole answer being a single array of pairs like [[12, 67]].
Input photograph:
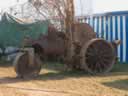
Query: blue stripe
[[116, 30], [111, 29], [102, 27], [121, 36], [90, 21], [116, 27], [106, 27], [125, 36], [98, 27], [93, 23], [126, 39]]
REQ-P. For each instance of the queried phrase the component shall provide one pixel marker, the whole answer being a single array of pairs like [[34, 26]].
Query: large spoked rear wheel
[[98, 56], [23, 68]]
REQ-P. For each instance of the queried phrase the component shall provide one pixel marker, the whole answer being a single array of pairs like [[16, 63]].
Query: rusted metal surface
[[89, 53], [82, 33], [50, 45]]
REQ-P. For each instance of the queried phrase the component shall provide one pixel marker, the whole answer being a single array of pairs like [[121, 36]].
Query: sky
[[100, 6], [84, 7], [8, 3], [109, 5]]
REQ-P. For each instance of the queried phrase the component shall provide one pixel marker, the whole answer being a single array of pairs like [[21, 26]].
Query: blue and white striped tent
[[112, 26]]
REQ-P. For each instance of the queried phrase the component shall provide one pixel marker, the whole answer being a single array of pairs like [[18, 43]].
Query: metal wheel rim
[[27, 71], [85, 64]]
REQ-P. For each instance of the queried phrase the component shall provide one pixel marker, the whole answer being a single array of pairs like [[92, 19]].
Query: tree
[[54, 9], [50, 8]]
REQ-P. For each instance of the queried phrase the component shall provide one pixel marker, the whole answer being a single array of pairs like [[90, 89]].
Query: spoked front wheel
[[22, 66]]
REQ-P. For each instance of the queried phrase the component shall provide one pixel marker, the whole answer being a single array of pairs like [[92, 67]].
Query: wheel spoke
[[90, 54], [99, 56]]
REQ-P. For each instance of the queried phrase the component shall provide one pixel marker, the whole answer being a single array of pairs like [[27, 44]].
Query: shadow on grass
[[59, 73], [8, 80], [6, 65], [54, 72], [44, 77], [118, 69], [119, 84], [58, 76], [62, 75]]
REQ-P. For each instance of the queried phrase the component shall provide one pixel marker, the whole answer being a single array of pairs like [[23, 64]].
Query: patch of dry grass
[[54, 81]]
